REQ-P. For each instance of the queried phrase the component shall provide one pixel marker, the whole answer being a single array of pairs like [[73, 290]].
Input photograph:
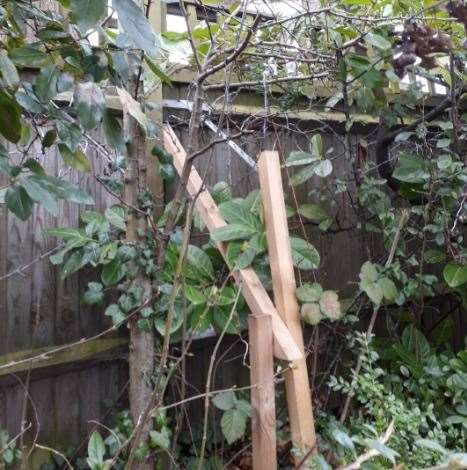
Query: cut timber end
[[253, 291]]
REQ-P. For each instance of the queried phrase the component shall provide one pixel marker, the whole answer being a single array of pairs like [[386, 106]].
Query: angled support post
[[283, 280], [253, 291]]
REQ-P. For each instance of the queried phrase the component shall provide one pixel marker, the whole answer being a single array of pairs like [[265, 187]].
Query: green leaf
[[316, 145], [94, 294], [157, 71], [411, 168], [233, 425], [116, 216], [244, 407], [368, 272], [38, 194], [409, 360], [342, 438], [75, 262], [194, 295], [432, 445], [297, 158], [8, 70], [135, 24], [226, 296], [68, 234], [323, 168], [48, 139], [225, 400], [373, 291], [28, 102], [29, 56], [113, 132], [76, 159], [434, 256], [174, 36], [414, 341], [46, 83], [388, 288], [114, 311], [200, 262], [378, 41], [89, 102], [221, 192], [455, 274], [384, 450], [304, 254], [10, 118], [69, 133], [19, 202], [63, 190], [160, 439], [235, 213], [309, 292], [303, 175], [313, 212], [112, 272], [232, 232], [96, 448], [87, 13]]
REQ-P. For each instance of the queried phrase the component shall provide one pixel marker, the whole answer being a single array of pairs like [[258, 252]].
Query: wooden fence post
[[263, 422], [283, 279]]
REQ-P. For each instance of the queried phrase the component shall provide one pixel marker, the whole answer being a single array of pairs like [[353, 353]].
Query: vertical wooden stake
[[262, 395], [283, 279]]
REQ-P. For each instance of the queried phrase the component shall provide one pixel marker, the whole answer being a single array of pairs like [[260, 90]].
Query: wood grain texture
[[263, 421], [253, 291], [283, 281]]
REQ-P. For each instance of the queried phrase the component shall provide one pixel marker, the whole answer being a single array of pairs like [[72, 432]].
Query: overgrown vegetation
[[388, 387]]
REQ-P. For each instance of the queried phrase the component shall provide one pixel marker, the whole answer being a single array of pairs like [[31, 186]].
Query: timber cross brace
[[273, 329]]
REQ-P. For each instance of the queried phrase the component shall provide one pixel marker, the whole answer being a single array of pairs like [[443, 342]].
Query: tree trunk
[[141, 353]]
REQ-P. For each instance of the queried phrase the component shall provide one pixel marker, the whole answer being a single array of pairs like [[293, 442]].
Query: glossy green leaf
[[96, 449], [200, 262], [304, 254], [235, 213], [113, 132], [89, 102], [69, 133], [455, 274], [76, 159], [135, 24], [87, 13], [157, 71], [232, 232], [46, 83], [112, 272], [40, 195], [19, 202], [10, 118], [29, 56], [8, 70], [378, 41]]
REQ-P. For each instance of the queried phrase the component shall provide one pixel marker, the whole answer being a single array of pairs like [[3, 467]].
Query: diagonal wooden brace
[[253, 291]]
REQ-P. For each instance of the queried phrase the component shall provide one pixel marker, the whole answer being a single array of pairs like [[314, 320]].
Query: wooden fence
[[38, 311]]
